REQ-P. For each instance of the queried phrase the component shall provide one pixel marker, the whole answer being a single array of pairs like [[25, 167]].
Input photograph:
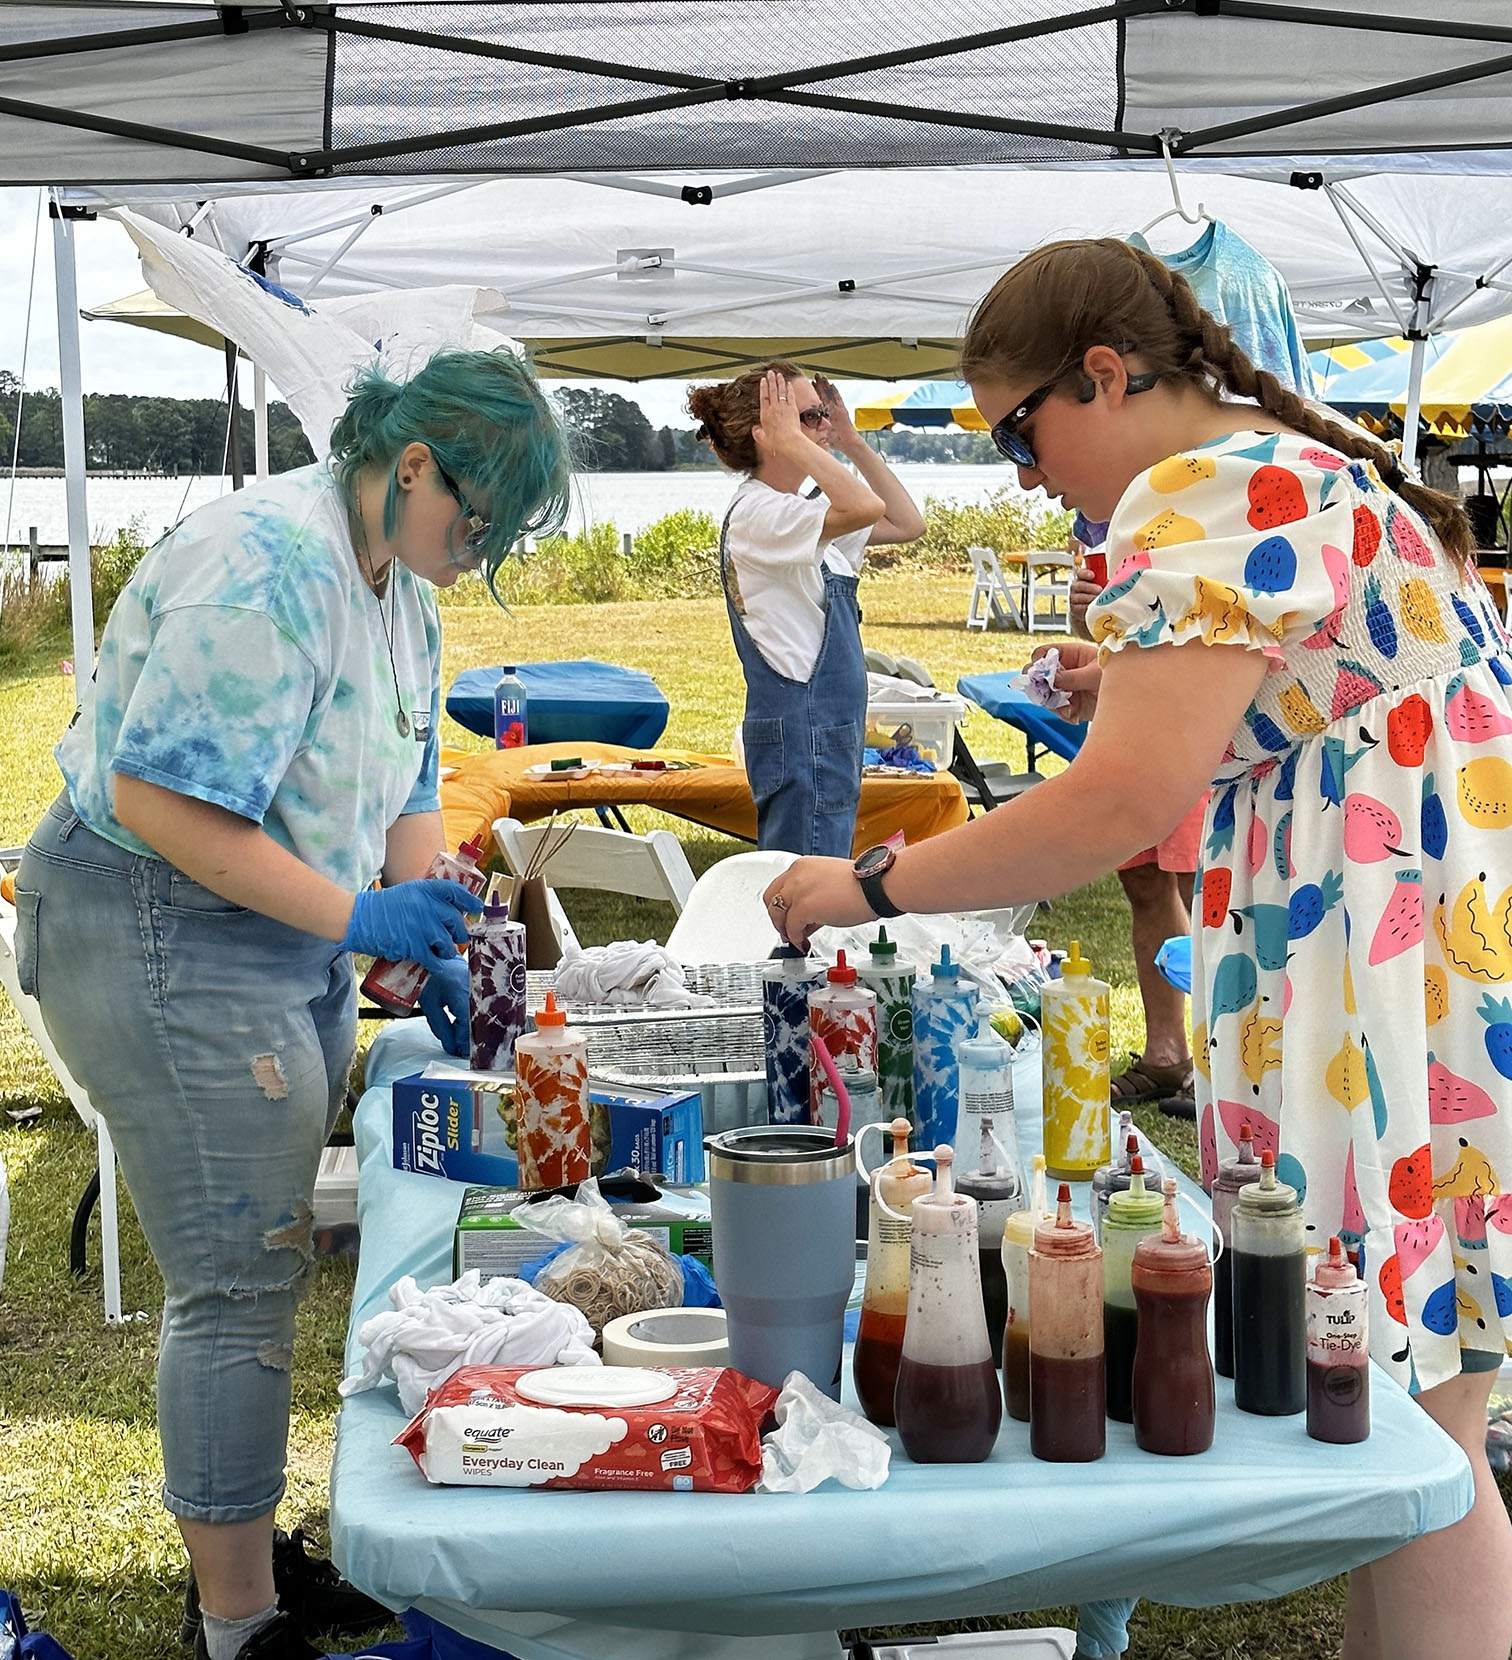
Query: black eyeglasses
[[477, 526], [815, 416], [1011, 443]]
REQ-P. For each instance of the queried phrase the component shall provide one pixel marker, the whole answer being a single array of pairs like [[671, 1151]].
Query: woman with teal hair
[[257, 748]]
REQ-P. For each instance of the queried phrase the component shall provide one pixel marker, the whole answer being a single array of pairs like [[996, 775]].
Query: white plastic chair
[[724, 920], [1047, 575], [991, 599]]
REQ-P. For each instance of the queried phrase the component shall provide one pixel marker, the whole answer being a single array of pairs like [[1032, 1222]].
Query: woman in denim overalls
[[789, 565]]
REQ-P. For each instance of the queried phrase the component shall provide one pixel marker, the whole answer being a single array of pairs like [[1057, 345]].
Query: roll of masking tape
[[668, 1337]]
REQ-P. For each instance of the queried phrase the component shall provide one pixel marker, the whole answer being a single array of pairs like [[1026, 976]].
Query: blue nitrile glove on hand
[[445, 1001], [412, 922]]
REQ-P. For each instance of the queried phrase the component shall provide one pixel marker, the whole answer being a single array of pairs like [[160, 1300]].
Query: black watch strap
[[876, 896]]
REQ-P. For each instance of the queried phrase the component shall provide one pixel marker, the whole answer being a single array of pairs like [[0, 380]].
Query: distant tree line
[[130, 434]]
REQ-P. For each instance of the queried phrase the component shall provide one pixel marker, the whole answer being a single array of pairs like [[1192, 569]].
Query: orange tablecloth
[[715, 793]]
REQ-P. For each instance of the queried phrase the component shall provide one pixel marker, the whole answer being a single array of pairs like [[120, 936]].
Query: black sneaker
[[309, 1589], [279, 1639]]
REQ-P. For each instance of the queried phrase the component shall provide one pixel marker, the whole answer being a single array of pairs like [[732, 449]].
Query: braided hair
[[726, 413], [1044, 314]]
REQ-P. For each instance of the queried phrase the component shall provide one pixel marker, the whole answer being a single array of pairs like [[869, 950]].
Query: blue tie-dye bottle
[[945, 1011]]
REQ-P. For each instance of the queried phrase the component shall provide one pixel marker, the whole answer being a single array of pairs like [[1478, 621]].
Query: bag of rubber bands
[[608, 1268]]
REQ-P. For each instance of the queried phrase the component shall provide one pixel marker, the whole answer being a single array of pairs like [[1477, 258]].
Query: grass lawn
[[85, 1542]]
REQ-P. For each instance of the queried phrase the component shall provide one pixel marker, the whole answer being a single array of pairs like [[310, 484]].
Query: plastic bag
[[18, 1642], [816, 1439], [610, 1268]]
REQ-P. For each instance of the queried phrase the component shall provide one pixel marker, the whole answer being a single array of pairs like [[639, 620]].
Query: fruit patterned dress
[[1352, 953]]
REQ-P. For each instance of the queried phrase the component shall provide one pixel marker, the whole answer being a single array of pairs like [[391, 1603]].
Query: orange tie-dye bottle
[[553, 1139]]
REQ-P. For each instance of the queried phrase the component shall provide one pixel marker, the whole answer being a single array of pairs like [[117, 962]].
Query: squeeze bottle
[[1173, 1376], [998, 1189], [1132, 1217], [1113, 1177], [884, 1303], [552, 1134], [1338, 1359], [947, 1402], [787, 978], [1270, 1321], [986, 1063], [395, 986], [1233, 1174], [1067, 1387], [511, 720], [892, 983], [1018, 1240], [844, 1015], [945, 1011], [495, 988], [1074, 1028]]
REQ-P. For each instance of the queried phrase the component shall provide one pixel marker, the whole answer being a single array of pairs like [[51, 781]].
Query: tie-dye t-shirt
[[246, 663]]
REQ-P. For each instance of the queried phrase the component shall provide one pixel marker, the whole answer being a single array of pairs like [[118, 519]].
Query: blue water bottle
[[511, 724]]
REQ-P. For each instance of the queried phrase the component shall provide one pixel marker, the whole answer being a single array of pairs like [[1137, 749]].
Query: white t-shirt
[[778, 556]]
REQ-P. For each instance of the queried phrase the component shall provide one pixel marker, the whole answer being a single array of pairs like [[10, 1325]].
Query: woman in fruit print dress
[[1293, 621]]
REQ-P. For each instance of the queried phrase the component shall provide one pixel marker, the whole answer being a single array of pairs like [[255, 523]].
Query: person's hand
[[843, 435], [779, 428], [1084, 590], [815, 893], [445, 1003], [412, 922], [1080, 674]]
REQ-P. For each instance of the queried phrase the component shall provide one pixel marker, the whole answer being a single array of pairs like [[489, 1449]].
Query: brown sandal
[[1142, 1083]]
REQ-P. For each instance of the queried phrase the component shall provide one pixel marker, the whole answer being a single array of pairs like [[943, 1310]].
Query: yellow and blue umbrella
[[933, 403]]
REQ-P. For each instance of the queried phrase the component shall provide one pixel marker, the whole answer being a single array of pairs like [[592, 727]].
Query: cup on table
[[782, 1199]]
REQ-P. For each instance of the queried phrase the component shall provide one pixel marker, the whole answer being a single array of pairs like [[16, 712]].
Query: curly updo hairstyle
[[726, 413]]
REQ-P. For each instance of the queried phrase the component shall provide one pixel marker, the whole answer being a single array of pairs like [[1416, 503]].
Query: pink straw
[[842, 1095]]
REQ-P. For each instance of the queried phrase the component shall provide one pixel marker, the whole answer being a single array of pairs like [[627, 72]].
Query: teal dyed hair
[[487, 422]]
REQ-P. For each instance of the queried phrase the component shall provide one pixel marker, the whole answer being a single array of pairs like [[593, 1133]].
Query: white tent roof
[[156, 90], [859, 273]]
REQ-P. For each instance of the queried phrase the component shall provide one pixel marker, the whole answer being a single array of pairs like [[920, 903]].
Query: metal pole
[[260, 421], [70, 376], [233, 410], [1414, 403]]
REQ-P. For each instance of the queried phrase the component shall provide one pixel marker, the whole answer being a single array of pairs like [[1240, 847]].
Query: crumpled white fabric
[[428, 1334], [1037, 682], [817, 1438], [630, 974]]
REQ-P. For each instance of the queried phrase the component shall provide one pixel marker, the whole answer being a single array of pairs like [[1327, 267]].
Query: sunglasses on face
[[815, 416], [1013, 446], [478, 527]]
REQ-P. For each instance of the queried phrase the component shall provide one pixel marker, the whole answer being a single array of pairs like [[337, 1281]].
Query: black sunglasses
[[477, 526], [815, 416], [1011, 443]]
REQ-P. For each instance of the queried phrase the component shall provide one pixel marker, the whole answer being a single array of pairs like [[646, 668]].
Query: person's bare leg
[[1157, 915], [233, 1565], [1446, 1593], [1362, 1629]]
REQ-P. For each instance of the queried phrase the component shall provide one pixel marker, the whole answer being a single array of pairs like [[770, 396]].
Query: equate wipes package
[[693, 1429]]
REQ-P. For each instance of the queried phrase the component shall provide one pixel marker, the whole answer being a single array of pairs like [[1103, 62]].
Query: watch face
[[874, 861]]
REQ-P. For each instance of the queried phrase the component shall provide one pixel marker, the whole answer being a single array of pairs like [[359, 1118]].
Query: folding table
[[571, 702]]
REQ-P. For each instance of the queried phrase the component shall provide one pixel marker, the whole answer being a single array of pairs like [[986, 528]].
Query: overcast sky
[[119, 358]]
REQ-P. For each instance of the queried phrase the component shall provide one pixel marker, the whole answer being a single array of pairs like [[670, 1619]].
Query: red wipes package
[[690, 1429]]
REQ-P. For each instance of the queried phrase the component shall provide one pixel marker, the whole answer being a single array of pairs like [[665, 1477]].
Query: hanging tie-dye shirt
[[247, 663], [1352, 936]]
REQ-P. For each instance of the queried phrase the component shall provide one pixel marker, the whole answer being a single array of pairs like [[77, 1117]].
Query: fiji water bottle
[[511, 725]]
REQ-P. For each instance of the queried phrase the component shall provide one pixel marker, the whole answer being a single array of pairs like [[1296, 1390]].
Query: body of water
[[630, 500]]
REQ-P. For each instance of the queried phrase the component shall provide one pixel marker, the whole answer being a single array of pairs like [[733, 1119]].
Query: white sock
[[224, 1638]]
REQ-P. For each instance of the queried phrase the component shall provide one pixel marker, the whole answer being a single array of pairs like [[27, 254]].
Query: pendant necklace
[[359, 540]]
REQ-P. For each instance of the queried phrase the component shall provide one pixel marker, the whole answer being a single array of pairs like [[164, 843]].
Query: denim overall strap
[[803, 739]]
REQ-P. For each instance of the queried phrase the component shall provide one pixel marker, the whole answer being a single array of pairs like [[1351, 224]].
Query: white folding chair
[[724, 920], [991, 600], [31, 1014], [652, 866], [1048, 576]]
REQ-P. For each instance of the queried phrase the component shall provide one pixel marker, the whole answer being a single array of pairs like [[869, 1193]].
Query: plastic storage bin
[[933, 722]]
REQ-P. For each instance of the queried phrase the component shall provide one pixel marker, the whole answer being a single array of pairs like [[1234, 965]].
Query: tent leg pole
[[233, 422], [260, 422], [1414, 403], [71, 381]]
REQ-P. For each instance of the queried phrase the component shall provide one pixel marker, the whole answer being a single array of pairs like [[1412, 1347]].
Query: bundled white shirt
[[778, 556]]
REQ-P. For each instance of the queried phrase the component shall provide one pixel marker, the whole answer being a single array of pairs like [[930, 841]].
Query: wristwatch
[[870, 868]]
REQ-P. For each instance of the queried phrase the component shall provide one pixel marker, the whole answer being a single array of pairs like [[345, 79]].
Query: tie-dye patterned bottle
[[786, 982], [1074, 1027], [893, 984], [945, 1011], [844, 1015], [553, 1135]]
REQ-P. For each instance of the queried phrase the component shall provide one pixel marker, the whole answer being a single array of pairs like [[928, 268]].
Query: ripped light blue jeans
[[215, 1043]]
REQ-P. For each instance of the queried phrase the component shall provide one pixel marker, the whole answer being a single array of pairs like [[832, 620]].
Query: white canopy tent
[[137, 93]]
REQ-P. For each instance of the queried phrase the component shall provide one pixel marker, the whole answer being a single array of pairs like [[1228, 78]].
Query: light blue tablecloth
[[621, 1576], [1004, 702]]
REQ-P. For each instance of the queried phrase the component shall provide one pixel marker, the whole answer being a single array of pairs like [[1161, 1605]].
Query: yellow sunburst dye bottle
[[1074, 1025]]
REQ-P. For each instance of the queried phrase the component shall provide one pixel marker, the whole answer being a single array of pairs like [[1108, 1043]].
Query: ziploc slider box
[[489, 1238], [459, 1125]]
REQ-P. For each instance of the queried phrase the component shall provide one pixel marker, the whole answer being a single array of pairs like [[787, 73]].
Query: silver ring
[[777, 902]]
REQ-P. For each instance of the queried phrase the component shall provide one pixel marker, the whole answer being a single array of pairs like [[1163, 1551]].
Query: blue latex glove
[[412, 922], [445, 1000]]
